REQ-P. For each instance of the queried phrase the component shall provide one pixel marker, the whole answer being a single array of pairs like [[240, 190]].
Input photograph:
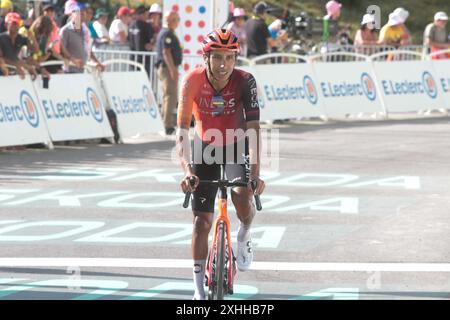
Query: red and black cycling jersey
[[239, 99]]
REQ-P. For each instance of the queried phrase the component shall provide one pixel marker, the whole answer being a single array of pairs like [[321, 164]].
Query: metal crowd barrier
[[337, 53]]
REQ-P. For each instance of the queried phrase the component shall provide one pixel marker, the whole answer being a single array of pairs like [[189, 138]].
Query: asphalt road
[[351, 211]]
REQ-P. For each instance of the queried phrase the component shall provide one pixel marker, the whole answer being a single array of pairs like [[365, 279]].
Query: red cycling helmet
[[221, 39]]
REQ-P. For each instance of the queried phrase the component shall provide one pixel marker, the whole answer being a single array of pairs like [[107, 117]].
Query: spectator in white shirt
[[118, 31], [101, 19]]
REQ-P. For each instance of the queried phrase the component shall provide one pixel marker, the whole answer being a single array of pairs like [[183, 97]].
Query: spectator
[[89, 14], [169, 57], [118, 31], [155, 15], [76, 44], [11, 43], [90, 24], [140, 37], [436, 37], [32, 14], [42, 29], [333, 10], [366, 34], [331, 43], [69, 6], [99, 25], [395, 33], [49, 11], [366, 37], [3, 68], [237, 25], [257, 31], [276, 31], [6, 6]]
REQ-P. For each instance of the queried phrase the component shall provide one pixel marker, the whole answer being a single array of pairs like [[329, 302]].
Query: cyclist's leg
[[238, 167], [203, 209], [243, 202], [242, 198]]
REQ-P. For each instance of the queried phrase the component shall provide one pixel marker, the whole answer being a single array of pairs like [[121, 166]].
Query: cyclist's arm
[[254, 148], [184, 116], [251, 106]]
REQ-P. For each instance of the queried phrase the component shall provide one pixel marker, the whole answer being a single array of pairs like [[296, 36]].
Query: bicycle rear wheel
[[217, 291]]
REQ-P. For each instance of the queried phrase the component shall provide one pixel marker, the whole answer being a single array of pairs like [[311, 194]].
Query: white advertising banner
[[408, 86], [130, 95], [21, 119], [442, 71], [287, 91], [73, 108], [347, 88]]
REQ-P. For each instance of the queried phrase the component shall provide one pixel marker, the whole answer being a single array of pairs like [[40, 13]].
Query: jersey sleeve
[[250, 98], [186, 102]]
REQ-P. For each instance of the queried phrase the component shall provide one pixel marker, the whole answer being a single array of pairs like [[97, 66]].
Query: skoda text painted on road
[[365, 87], [60, 110], [25, 111], [426, 85]]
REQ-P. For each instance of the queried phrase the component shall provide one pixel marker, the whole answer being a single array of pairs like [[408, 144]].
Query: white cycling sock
[[243, 233], [199, 278]]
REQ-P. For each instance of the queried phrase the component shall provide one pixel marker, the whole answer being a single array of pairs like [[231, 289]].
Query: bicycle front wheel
[[220, 267], [217, 254]]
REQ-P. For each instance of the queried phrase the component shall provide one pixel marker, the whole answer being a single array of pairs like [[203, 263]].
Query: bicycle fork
[[222, 221]]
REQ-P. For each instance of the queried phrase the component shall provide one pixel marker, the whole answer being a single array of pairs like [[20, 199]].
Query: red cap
[[123, 11], [13, 17]]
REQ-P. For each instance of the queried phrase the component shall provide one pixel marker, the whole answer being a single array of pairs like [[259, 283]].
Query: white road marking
[[257, 265]]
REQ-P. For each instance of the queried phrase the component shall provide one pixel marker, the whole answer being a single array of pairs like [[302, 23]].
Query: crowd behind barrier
[[368, 87]]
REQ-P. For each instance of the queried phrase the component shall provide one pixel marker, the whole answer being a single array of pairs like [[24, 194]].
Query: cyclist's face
[[222, 64]]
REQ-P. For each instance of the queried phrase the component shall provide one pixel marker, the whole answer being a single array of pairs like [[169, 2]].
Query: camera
[[302, 25]]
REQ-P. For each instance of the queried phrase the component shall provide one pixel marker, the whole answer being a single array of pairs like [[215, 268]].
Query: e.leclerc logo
[[149, 101], [429, 84], [94, 104], [368, 86], [29, 109], [310, 88]]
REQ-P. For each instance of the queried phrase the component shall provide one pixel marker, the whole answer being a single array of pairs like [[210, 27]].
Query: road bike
[[221, 263]]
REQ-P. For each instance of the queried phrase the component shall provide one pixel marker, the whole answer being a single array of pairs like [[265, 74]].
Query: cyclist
[[224, 103]]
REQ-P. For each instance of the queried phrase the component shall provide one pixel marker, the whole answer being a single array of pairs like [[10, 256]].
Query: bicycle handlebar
[[223, 183]]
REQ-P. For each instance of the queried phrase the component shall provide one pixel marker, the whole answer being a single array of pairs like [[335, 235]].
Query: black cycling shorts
[[207, 166]]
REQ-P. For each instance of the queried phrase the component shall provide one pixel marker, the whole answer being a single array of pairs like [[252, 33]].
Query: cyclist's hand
[[260, 186], [186, 185]]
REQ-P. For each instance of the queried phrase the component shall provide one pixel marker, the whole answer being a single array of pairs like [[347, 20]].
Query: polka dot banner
[[195, 22]]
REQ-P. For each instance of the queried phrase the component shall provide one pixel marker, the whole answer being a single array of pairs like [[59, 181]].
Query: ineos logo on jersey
[[259, 95], [29, 109], [368, 86], [429, 84], [310, 88], [149, 101], [95, 104]]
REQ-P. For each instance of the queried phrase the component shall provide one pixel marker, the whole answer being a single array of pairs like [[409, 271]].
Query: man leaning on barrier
[[436, 36], [76, 42], [11, 42]]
